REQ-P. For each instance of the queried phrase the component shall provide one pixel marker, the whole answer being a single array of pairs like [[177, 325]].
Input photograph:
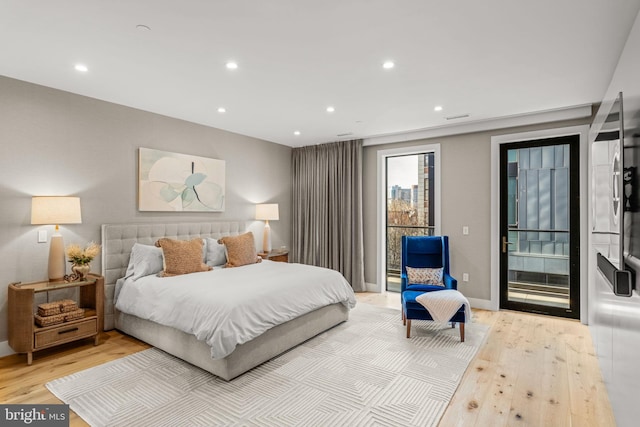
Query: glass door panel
[[410, 210], [539, 222]]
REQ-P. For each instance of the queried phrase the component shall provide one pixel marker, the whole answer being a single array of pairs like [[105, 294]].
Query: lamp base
[[57, 268], [266, 238]]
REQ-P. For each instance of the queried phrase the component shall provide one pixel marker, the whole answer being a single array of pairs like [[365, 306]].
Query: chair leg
[[408, 328], [404, 318], [453, 325], [461, 331]]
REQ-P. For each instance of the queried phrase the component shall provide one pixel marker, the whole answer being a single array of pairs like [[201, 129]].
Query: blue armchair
[[425, 252]]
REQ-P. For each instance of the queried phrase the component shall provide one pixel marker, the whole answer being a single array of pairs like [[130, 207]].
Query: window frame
[[381, 200]]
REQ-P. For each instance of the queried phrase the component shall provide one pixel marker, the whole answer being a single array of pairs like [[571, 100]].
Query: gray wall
[[614, 321], [57, 143], [466, 194]]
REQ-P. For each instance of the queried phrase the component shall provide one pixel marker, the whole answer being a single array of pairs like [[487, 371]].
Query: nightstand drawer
[[66, 332]]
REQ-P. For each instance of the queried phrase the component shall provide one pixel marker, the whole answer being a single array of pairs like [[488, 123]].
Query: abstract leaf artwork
[[173, 182]]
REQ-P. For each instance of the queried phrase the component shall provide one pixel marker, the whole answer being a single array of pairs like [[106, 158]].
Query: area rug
[[363, 372]]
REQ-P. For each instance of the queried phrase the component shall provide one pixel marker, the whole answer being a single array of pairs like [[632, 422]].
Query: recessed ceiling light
[[232, 65], [143, 27], [437, 108], [388, 65], [222, 110], [82, 68], [296, 133], [330, 109]]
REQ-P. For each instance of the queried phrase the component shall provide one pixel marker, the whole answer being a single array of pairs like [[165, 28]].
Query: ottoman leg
[[408, 328], [461, 331]]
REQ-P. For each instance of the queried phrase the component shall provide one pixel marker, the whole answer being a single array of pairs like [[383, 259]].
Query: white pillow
[[144, 261], [216, 255], [425, 276]]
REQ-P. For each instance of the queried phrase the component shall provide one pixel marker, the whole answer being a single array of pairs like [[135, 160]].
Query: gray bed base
[[246, 356], [117, 241]]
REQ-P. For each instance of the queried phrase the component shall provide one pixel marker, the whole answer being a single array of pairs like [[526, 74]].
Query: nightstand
[[278, 256], [26, 337]]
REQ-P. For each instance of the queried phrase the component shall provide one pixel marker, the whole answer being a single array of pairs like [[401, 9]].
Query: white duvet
[[230, 306]]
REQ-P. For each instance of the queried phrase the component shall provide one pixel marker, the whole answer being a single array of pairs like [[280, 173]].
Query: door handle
[[505, 242]]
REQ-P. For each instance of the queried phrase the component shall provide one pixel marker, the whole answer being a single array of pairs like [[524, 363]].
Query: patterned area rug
[[363, 372]]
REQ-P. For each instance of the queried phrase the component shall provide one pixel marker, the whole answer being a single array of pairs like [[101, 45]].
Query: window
[[408, 202]]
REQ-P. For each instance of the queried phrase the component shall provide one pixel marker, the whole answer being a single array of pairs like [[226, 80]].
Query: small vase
[[81, 270]]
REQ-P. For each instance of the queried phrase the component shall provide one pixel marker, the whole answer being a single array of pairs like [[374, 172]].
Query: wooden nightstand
[[275, 256], [26, 337]]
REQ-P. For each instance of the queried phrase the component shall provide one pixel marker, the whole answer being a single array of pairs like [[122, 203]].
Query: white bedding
[[230, 306]]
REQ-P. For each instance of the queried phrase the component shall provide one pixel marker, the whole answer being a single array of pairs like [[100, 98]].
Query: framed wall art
[[174, 182]]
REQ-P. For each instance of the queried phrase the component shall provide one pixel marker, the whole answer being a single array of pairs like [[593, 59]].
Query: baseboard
[[371, 287], [483, 304], [5, 350]]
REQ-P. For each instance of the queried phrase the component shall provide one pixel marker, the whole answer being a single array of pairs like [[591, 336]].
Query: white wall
[[57, 143], [615, 321]]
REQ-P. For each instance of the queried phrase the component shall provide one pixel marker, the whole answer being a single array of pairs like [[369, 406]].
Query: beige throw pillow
[[425, 276], [181, 256], [241, 250]]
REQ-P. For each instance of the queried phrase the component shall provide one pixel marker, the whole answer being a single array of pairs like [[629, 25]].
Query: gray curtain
[[327, 208]]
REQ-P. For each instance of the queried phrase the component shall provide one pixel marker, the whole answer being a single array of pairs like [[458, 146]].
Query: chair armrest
[[449, 282], [403, 282]]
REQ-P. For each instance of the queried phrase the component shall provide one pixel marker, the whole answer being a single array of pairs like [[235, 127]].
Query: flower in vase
[[79, 256]]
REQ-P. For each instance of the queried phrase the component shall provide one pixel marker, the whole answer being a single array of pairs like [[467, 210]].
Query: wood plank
[[496, 408], [555, 381], [589, 402]]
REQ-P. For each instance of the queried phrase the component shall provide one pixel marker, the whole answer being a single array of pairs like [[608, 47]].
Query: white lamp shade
[[267, 212], [55, 210]]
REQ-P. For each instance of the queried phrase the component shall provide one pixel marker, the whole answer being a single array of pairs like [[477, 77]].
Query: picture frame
[[175, 182]]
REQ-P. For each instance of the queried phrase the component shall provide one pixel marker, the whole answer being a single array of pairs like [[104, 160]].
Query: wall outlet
[[465, 277], [42, 236], [465, 230]]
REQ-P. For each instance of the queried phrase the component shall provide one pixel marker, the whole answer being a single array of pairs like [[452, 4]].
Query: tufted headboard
[[118, 239]]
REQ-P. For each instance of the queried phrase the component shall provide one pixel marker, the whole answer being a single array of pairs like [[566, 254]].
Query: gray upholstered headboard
[[118, 239]]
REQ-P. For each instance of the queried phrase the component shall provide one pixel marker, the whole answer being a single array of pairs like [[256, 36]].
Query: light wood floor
[[532, 371]]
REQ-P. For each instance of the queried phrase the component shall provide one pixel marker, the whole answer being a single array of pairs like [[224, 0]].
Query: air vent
[[461, 116], [345, 134]]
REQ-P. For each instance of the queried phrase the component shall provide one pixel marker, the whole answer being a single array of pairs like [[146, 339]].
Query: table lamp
[[55, 210], [266, 212]]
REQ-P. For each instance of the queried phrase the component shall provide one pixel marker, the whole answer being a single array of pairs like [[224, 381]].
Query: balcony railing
[[539, 241], [539, 262]]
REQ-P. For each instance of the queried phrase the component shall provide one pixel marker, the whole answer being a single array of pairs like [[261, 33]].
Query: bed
[[308, 321]]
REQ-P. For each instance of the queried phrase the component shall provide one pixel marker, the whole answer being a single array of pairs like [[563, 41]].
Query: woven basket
[[68, 305], [74, 315], [49, 308], [49, 320]]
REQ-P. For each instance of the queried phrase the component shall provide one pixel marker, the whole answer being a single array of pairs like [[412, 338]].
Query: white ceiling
[[485, 58]]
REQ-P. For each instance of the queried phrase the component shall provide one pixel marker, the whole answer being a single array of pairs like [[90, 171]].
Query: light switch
[[465, 230], [42, 236], [465, 277]]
